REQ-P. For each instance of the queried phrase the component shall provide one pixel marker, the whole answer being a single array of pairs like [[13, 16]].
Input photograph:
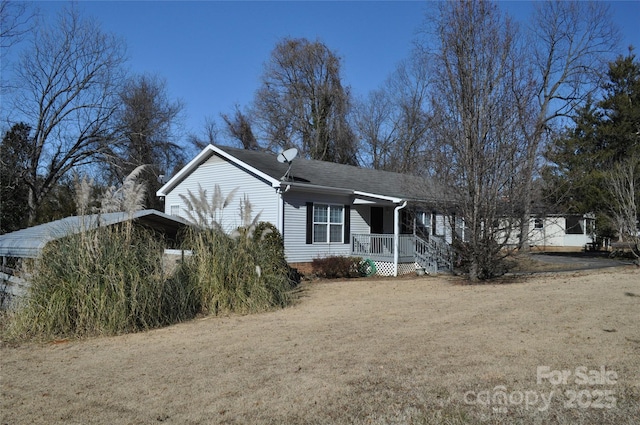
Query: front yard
[[555, 348]]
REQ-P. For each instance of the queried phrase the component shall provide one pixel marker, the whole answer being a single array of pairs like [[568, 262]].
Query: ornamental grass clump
[[243, 271], [101, 282], [112, 279]]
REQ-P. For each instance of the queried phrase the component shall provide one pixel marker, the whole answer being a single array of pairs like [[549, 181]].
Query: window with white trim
[[328, 223], [175, 209]]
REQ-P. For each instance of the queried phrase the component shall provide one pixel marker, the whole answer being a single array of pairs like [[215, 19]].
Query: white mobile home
[[556, 232]]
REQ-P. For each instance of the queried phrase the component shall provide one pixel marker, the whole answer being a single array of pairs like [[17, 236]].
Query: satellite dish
[[288, 155]]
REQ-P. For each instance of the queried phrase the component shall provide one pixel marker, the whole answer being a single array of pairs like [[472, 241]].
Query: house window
[[328, 223], [538, 223], [175, 209], [574, 226]]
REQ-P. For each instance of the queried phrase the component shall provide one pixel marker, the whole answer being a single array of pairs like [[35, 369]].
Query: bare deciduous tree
[[624, 181], [303, 104], [239, 128], [68, 84], [147, 122], [210, 136], [409, 87], [477, 146], [571, 42], [393, 124], [373, 121], [15, 23]]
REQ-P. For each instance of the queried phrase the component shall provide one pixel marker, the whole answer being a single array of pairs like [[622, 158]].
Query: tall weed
[[102, 282], [112, 280], [243, 273]]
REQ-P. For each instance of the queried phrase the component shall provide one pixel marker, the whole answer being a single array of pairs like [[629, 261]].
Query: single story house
[[399, 222], [569, 232], [324, 209]]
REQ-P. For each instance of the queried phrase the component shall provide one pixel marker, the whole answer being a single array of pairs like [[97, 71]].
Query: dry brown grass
[[358, 351]]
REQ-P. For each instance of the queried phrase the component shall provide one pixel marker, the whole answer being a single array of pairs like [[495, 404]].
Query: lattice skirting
[[385, 268]]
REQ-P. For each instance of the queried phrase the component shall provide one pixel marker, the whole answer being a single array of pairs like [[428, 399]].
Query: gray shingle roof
[[328, 174], [27, 243]]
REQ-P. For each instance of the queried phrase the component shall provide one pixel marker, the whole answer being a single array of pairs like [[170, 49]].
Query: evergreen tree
[[14, 157], [604, 133]]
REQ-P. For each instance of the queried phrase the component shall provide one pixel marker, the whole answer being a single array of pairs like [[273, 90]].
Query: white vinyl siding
[[263, 198], [360, 216], [295, 216], [266, 201]]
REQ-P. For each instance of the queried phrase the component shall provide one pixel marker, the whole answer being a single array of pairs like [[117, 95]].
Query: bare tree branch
[[302, 102], [68, 84], [570, 43]]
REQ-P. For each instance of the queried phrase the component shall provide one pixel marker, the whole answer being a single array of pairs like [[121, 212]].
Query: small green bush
[[101, 282], [338, 267]]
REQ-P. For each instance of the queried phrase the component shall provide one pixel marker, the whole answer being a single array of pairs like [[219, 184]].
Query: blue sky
[[211, 53]]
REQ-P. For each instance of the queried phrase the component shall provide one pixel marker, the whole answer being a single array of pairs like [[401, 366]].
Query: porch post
[[280, 209], [396, 236]]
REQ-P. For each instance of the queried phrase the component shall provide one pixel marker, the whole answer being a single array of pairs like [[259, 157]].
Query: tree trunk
[[33, 207]]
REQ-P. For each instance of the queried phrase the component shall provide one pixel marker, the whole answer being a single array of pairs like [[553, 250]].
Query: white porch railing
[[380, 247], [433, 254]]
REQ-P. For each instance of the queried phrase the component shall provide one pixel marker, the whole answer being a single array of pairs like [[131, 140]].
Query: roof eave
[[393, 199], [185, 171], [307, 187]]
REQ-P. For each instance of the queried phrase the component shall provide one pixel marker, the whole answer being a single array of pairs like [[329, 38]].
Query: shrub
[[101, 282], [494, 263], [243, 273], [112, 280], [338, 267]]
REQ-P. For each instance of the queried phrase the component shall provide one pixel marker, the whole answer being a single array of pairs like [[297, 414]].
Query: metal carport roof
[[27, 243]]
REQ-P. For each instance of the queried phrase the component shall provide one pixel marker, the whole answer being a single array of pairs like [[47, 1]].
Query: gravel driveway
[[581, 260]]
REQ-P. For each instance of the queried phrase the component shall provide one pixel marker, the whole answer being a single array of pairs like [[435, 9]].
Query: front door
[[377, 220]]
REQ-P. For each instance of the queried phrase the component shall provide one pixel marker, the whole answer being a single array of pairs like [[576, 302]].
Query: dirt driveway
[[366, 351]]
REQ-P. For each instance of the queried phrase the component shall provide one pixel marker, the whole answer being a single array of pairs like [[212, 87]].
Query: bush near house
[[111, 281], [338, 267], [244, 273], [101, 282]]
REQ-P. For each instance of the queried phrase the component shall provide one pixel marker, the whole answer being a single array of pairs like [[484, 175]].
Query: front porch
[[432, 255]]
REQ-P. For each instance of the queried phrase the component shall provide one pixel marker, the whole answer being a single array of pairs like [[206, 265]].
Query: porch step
[[433, 255]]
